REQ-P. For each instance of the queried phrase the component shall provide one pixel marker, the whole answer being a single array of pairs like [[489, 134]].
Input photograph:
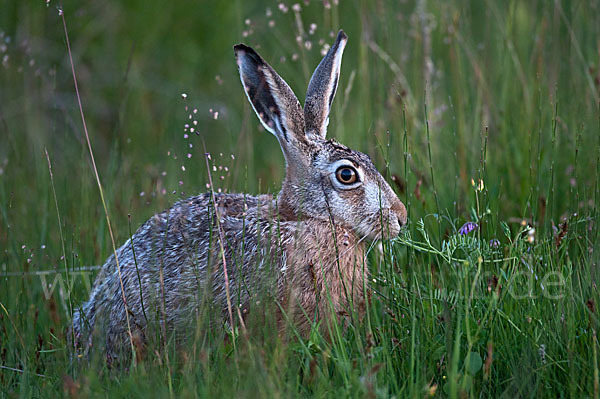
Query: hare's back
[[171, 250], [187, 227]]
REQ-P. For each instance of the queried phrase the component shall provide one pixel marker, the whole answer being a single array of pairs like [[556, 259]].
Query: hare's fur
[[307, 245]]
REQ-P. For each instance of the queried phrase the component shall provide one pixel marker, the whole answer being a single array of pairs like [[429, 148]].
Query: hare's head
[[324, 179]]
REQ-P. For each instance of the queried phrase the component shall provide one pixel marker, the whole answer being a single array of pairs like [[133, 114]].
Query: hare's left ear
[[273, 101], [322, 87]]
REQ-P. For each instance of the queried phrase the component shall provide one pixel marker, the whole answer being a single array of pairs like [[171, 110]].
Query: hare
[[309, 240]]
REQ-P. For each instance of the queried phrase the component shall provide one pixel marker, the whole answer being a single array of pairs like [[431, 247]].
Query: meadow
[[484, 116]]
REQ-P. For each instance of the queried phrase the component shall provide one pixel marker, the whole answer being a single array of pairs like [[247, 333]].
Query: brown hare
[[309, 240]]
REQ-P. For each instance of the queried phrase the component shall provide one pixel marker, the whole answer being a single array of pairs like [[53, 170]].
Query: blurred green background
[[437, 93]]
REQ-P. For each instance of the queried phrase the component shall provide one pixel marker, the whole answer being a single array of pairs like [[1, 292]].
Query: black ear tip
[[240, 48], [247, 52], [341, 36]]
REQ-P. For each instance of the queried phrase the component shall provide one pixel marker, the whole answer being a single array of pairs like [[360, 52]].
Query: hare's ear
[[322, 87], [273, 101]]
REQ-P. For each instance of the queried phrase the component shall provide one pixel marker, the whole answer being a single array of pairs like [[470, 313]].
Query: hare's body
[[306, 247], [176, 257]]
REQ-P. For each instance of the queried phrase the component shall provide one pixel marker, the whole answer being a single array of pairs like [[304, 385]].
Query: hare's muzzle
[[400, 210], [394, 219]]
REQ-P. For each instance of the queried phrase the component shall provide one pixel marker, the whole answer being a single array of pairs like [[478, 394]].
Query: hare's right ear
[[273, 101], [322, 87]]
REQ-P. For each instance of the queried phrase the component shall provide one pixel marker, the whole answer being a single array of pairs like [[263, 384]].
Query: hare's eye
[[346, 175]]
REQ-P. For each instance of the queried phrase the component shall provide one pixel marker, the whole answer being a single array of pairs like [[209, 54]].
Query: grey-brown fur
[[308, 244]]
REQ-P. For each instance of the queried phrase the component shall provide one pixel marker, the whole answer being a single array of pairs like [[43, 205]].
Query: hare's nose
[[402, 221]]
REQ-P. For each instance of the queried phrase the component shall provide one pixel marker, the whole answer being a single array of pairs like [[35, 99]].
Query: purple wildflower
[[494, 243], [467, 228]]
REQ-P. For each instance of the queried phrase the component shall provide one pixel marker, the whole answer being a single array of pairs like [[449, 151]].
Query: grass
[[484, 112]]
